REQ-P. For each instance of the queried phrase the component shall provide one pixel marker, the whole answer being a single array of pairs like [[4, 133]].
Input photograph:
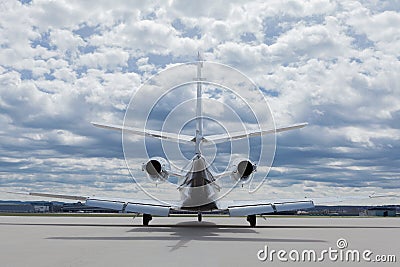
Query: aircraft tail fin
[[199, 119]]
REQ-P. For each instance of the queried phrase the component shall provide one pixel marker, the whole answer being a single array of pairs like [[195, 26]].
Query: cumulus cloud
[[334, 64]]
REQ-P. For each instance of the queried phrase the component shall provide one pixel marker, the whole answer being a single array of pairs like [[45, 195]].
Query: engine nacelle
[[242, 170], [156, 169]]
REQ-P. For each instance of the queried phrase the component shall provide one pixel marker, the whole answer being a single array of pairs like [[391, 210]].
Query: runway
[[182, 241]]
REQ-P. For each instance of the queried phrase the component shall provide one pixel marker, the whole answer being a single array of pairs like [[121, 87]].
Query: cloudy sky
[[334, 64]]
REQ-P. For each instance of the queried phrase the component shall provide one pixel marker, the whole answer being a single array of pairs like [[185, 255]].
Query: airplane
[[200, 184]]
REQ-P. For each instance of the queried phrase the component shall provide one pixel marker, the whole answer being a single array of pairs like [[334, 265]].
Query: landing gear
[[146, 219], [252, 220], [199, 216]]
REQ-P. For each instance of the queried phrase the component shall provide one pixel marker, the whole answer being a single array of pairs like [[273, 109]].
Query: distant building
[[380, 211], [41, 208], [302, 212], [337, 210], [16, 208], [82, 208]]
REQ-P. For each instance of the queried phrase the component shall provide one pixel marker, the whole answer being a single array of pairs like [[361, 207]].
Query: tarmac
[[182, 241]]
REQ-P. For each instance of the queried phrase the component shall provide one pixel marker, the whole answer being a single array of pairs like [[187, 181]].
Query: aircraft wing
[[257, 207], [336, 199], [138, 206], [69, 197], [151, 133], [221, 138]]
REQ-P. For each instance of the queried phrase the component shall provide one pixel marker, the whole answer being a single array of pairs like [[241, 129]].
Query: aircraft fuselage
[[198, 191]]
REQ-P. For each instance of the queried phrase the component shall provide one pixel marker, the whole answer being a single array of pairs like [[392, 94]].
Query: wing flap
[[123, 207], [249, 210], [106, 204], [288, 206], [148, 209], [243, 208]]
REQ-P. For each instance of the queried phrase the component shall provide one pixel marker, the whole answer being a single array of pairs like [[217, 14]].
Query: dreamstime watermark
[[339, 254]]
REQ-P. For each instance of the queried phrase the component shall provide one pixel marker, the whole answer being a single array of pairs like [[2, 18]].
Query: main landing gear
[[146, 219], [199, 216], [252, 220]]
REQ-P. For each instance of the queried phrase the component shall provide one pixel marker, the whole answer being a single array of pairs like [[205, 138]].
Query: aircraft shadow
[[195, 224], [186, 232]]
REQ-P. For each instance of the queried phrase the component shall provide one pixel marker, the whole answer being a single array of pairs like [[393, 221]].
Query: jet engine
[[242, 170], [156, 169]]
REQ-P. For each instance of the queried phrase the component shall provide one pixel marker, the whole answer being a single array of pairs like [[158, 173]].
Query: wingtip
[[18, 193], [96, 124], [99, 125], [301, 125]]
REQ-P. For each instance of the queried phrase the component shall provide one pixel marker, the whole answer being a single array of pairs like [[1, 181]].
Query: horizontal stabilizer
[[180, 138], [222, 138]]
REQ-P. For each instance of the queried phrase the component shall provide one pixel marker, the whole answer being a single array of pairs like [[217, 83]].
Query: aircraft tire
[[146, 219], [252, 220]]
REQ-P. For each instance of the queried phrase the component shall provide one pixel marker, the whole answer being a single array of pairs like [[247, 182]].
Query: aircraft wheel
[[252, 220], [146, 219], [199, 217]]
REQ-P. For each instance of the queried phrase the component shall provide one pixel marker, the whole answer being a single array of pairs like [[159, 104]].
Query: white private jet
[[200, 184]]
